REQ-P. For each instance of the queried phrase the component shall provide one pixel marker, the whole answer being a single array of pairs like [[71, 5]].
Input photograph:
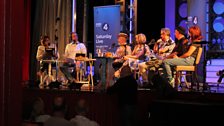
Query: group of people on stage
[[168, 52], [71, 49]]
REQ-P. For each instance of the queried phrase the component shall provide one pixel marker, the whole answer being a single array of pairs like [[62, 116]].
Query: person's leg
[[66, 72], [143, 71], [168, 63]]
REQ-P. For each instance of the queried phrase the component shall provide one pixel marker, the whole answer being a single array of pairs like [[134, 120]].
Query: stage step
[[212, 67], [211, 74], [217, 62]]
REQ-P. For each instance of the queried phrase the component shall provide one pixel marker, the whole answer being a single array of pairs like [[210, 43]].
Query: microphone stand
[[203, 44], [56, 84]]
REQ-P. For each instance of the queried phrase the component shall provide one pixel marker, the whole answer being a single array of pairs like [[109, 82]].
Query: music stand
[[79, 55], [50, 53]]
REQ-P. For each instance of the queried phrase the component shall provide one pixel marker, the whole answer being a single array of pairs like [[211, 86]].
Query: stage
[[153, 108]]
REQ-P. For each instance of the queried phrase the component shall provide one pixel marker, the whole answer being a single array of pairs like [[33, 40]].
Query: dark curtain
[[52, 18], [26, 51]]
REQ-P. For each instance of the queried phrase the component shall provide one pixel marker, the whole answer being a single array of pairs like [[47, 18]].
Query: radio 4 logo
[[105, 26]]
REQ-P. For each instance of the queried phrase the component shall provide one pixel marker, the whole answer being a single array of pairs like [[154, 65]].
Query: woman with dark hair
[[41, 53]]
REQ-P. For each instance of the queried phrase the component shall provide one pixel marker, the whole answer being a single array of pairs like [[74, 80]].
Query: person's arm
[[40, 53], [147, 50], [130, 56], [171, 47], [83, 49], [155, 48], [167, 49], [128, 50], [171, 55], [66, 51], [189, 52]]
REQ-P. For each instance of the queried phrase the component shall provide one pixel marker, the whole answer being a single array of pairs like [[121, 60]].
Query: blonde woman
[[139, 54]]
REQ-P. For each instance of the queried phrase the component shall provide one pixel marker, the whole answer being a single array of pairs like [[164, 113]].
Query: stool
[[43, 79]]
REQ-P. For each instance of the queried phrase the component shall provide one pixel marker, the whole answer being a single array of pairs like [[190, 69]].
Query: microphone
[[112, 46], [153, 41]]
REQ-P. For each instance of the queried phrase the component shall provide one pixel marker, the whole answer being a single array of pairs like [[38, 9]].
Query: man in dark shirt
[[187, 58], [182, 44]]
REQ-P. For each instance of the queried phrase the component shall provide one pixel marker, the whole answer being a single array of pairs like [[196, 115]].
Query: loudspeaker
[[162, 86]]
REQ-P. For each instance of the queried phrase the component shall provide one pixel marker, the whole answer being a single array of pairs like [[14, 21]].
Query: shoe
[[172, 82]]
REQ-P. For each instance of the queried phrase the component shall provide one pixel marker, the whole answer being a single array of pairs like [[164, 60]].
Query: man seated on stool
[[70, 54]]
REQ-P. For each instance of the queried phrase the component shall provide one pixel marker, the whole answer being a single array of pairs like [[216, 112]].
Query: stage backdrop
[[106, 28]]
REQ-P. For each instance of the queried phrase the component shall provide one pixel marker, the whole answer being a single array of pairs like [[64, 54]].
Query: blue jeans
[[168, 63]]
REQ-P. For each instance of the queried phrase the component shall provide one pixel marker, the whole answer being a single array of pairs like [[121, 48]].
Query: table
[[90, 76], [106, 71], [49, 75]]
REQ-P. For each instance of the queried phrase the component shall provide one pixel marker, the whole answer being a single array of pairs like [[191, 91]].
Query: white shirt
[[165, 45], [72, 48], [41, 51]]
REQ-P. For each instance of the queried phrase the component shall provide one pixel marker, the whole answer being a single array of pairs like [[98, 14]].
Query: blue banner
[[106, 28]]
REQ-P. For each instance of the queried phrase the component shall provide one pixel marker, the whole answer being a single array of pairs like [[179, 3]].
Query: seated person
[[139, 54], [121, 51], [163, 47], [45, 51], [70, 57], [141, 50], [186, 59], [182, 44]]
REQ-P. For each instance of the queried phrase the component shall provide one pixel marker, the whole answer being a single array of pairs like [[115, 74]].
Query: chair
[[190, 70]]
